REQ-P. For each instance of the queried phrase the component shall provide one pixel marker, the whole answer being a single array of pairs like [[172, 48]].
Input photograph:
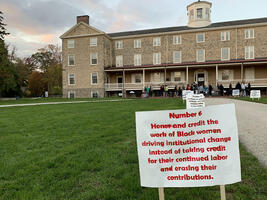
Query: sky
[[33, 24]]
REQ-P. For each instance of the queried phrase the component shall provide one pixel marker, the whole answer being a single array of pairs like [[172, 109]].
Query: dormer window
[[199, 13]]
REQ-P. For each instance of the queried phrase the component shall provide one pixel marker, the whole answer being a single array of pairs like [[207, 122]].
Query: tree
[[45, 57], [48, 61], [36, 84], [54, 79], [8, 73], [2, 27]]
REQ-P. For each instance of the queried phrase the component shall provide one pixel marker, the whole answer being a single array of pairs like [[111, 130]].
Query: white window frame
[[158, 75], [94, 91], [228, 56], [91, 58], [137, 43], [180, 57], [204, 56], [231, 74], [93, 42], [204, 35], [94, 73], [182, 76], [156, 41], [157, 58], [137, 60], [177, 39], [119, 61], [248, 50], [201, 13], [71, 44], [73, 79], [224, 35], [69, 59], [119, 44], [133, 77], [69, 92], [249, 33]]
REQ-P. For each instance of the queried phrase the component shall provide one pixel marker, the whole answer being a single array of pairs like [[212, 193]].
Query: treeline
[[30, 76]]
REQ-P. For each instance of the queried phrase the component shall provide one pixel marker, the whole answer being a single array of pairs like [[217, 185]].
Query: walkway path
[[65, 102], [252, 125]]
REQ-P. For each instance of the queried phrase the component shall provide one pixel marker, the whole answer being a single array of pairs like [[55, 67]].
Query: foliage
[[48, 61], [48, 56], [8, 74], [36, 84], [2, 27], [54, 79]]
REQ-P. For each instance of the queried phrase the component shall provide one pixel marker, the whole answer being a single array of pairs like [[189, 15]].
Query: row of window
[[94, 79], [72, 94], [177, 57], [200, 12], [93, 43], [93, 59], [177, 39]]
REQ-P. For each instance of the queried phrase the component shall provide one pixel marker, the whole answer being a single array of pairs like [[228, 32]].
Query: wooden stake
[[161, 193], [222, 188]]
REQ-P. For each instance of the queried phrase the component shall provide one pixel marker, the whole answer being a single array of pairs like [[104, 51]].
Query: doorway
[[201, 79], [119, 81]]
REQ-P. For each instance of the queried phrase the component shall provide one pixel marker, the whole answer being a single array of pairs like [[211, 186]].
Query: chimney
[[84, 18]]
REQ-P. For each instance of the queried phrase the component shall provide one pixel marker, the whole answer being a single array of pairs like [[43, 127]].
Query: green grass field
[[88, 151], [47, 100]]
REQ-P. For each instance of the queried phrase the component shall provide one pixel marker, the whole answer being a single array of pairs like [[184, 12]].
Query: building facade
[[97, 64]]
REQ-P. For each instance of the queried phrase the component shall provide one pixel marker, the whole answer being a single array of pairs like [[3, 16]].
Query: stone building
[[97, 64]]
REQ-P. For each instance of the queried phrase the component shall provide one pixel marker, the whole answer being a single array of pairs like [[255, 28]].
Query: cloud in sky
[[35, 23]]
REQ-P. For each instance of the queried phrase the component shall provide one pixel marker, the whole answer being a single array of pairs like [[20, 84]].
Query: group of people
[[199, 89], [242, 87]]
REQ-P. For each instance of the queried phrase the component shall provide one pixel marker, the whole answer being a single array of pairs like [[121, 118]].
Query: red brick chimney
[[84, 18]]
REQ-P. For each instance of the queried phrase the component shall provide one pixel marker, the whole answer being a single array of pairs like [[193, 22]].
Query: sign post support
[[161, 193], [222, 188]]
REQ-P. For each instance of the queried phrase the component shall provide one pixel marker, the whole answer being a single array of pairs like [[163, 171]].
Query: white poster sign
[[185, 93], [188, 148], [236, 93], [46, 94], [255, 94], [195, 101]]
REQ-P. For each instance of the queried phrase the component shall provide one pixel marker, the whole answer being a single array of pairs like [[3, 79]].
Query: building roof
[[185, 28]]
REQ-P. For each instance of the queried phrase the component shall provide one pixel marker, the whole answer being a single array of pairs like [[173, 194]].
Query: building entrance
[[201, 79]]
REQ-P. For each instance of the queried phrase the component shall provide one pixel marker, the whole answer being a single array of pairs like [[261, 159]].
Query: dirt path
[[252, 125]]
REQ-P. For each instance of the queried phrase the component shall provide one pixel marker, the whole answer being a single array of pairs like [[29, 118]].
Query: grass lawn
[[88, 151], [261, 100], [47, 100]]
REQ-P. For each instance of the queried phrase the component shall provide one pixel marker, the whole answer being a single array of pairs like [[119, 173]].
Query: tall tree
[[2, 27], [36, 84], [8, 73], [48, 61]]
